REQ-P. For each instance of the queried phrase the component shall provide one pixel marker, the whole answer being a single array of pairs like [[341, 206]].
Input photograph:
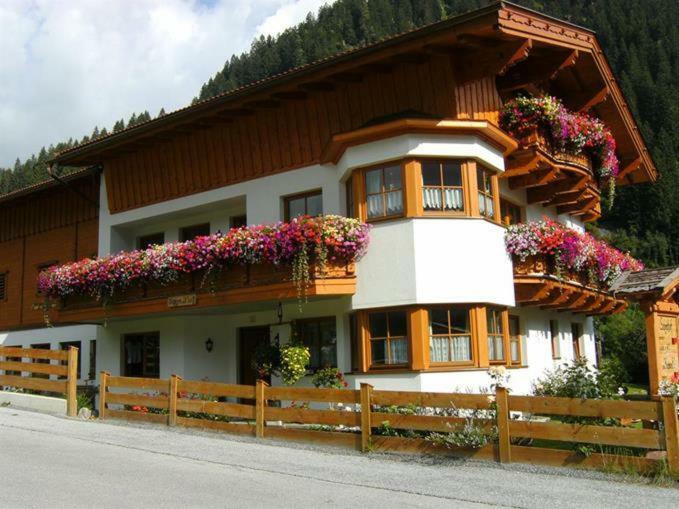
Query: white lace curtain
[[434, 199], [392, 199], [399, 351], [450, 348]]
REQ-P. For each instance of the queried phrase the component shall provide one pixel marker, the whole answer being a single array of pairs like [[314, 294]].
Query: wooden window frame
[[504, 333], [493, 196], [463, 187], [365, 194], [328, 318], [472, 339], [297, 196], [369, 340], [555, 340], [577, 353], [521, 209], [518, 338], [123, 362], [350, 197]]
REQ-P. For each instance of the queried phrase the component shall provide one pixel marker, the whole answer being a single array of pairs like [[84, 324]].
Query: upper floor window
[[496, 336], [450, 338], [384, 191], [510, 213], [141, 355], [442, 189], [3, 286], [238, 221], [306, 204], [485, 192], [320, 336], [146, 241], [515, 346], [349, 191], [193, 231], [388, 332]]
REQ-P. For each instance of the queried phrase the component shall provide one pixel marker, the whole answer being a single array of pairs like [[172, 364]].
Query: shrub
[[329, 378], [575, 380]]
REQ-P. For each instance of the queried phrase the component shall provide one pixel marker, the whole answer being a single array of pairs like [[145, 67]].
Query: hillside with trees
[[640, 38]]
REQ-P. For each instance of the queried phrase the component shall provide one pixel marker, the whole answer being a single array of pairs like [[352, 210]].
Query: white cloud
[[66, 66]]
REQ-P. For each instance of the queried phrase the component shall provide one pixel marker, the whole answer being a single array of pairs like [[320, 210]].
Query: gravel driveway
[[50, 461]]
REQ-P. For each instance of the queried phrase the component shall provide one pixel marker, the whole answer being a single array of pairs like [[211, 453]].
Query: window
[[384, 192], [496, 351], [238, 221], [556, 341], [196, 230], [388, 338], [576, 334], [66, 345], [3, 286], [146, 241], [307, 204], [355, 344], [92, 375], [510, 213], [442, 186], [450, 338], [349, 190], [485, 191], [320, 335], [41, 346], [141, 355], [515, 340]]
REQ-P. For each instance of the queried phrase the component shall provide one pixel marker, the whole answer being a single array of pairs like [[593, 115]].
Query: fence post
[[366, 417], [172, 395], [260, 403], [103, 389], [669, 410], [502, 412], [72, 382]]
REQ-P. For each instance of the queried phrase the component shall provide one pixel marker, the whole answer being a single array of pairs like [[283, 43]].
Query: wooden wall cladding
[[290, 133]]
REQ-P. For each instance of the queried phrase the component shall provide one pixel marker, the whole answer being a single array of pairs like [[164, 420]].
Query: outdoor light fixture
[[209, 344], [279, 313]]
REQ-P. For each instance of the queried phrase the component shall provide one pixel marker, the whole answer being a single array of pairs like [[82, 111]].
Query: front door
[[249, 339]]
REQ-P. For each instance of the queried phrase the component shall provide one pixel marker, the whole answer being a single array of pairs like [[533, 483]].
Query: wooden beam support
[[580, 207], [537, 70], [629, 167], [522, 164], [549, 191], [533, 179], [564, 295], [567, 198], [510, 56], [490, 60], [588, 99]]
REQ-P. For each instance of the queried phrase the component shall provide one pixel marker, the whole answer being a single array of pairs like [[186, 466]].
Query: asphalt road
[[49, 461]]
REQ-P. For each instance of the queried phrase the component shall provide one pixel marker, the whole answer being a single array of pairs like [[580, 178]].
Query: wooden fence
[[38, 364], [401, 421]]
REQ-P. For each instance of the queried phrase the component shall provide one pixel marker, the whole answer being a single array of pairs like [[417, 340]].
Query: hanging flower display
[[321, 239], [567, 131], [569, 249]]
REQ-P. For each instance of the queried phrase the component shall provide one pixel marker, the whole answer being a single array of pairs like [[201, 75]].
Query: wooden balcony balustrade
[[537, 283], [554, 178], [233, 285]]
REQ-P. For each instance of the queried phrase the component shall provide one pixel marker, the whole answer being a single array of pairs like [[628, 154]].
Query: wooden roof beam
[[581, 206], [262, 103], [293, 95], [348, 77], [562, 297], [537, 70], [567, 198], [629, 167], [317, 86], [573, 298], [490, 60], [589, 98], [533, 179]]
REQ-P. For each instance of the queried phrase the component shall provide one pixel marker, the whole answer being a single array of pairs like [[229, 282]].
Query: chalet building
[[405, 135]]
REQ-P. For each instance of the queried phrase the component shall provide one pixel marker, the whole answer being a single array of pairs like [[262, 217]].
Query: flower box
[[537, 138]]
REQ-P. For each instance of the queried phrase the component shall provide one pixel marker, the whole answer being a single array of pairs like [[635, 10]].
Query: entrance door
[[249, 339]]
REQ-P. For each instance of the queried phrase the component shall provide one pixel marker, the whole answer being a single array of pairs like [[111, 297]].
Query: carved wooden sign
[[178, 301], [666, 345]]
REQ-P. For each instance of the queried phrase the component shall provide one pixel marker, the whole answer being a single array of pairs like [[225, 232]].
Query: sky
[[68, 65]]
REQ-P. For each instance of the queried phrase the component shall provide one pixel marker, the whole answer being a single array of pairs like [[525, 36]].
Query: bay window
[[485, 191], [384, 191], [450, 338], [496, 336], [442, 189], [388, 338]]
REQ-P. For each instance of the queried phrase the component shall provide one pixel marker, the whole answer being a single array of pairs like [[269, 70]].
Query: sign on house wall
[[662, 324]]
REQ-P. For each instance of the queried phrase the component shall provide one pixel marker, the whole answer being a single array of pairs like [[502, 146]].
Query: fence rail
[[23, 360], [401, 421]]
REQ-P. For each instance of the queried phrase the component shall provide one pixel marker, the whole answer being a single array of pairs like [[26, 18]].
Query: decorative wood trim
[[412, 183], [470, 188], [418, 321]]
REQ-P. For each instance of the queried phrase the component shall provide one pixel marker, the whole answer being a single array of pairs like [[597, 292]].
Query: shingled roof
[[645, 281]]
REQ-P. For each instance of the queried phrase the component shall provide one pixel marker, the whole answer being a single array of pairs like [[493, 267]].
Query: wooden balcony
[[235, 285], [554, 178], [536, 284]]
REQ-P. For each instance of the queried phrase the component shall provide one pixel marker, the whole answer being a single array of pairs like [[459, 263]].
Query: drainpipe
[[52, 170]]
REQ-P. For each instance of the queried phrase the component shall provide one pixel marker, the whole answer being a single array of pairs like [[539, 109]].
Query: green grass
[[636, 390]]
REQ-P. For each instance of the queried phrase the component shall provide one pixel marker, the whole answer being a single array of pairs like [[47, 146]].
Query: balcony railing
[[201, 289]]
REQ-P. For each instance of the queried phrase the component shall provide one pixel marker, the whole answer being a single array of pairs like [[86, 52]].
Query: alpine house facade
[[422, 137]]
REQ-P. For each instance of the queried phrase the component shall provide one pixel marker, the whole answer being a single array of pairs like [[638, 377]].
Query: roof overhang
[[509, 41]]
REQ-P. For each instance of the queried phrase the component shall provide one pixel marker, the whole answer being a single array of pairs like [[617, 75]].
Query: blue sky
[[68, 65]]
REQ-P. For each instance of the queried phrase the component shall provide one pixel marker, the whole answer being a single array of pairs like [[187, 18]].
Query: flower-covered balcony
[[565, 158], [561, 269], [306, 257]]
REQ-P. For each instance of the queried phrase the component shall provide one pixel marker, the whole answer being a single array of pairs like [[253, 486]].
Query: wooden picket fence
[[23, 360], [290, 413]]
